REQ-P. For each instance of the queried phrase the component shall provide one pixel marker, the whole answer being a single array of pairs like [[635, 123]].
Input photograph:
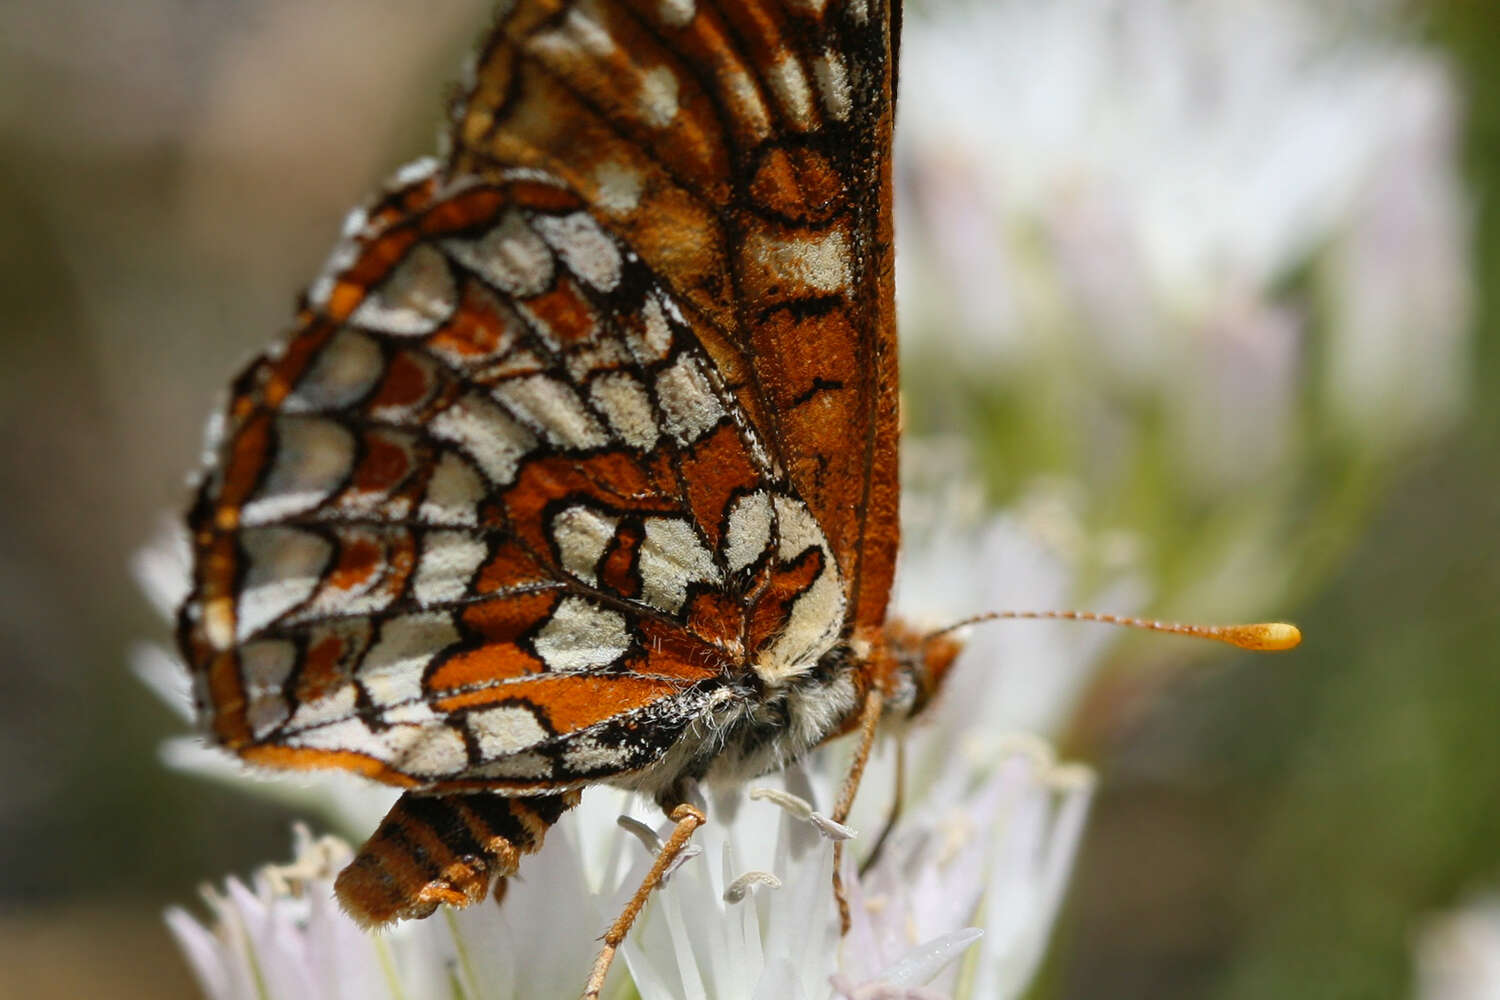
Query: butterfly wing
[[490, 519], [742, 148], [568, 441]]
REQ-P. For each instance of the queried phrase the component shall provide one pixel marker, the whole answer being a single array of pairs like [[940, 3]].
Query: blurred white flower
[[959, 903], [993, 849], [960, 559], [1197, 254], [992, 844], [1458, 954], [1146, 174]]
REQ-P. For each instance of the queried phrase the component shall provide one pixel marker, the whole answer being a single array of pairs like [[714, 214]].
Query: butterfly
[[579, 462]]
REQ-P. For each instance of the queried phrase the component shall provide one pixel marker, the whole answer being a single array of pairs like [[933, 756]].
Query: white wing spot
[[417, 170], [453, 493], [371, 591], [484, 431], [817, 615], [581, 534], [218, 622], [337, 733], [672, 557], [391, 671], [586, 755], [658, 96], [420, 750], [816, 262], [324, 712], [437, 752], [581, 635], [521, 766], [265, 666], [449, 559], [744, 98], [581, 32], [654, 339], [677, 13], [345, 370], [511, 256], [833, 84], [313, 457], [551, 406], [505, 729], [749, 530], [417, 297], [412, 713], [789, 84], [623, 401], [265, 711], [284, 567], [584, 247], [797, 530], [618, 188], [594, 355], [687, 401]]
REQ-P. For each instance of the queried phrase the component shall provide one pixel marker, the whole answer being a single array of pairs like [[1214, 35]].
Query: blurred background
[[1207, 290]]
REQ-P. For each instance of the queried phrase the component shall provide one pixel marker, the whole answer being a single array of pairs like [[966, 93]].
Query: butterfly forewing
[[742, 149]]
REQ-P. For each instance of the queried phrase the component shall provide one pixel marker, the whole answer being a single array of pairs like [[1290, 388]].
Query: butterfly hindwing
[[491, 515]]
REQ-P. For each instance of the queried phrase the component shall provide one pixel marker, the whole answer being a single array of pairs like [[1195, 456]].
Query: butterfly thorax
[[908, 666]]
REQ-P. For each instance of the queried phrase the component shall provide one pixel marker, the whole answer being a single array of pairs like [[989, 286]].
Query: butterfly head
[[915, 665]]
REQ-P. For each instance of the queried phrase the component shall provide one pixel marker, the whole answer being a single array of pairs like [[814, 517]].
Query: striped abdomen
[[433, 849]]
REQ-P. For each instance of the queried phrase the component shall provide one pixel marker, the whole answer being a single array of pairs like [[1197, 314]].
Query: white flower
[[991, 844], [992, 849], [959, 903], [959, 559], [1141, 171], [1458, 953]]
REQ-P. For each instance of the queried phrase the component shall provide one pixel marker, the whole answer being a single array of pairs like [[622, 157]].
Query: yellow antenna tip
[[1270, 637]]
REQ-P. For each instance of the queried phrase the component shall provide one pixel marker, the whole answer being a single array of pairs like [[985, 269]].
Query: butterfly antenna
[[1270, 637]]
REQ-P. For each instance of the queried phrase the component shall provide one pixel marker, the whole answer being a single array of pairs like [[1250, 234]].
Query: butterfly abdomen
[[433, 849]]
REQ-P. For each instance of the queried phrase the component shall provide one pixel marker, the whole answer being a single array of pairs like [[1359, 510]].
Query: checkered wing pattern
[[585, 433]]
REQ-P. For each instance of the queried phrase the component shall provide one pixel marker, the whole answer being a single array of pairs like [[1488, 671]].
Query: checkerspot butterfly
[[579, 462]]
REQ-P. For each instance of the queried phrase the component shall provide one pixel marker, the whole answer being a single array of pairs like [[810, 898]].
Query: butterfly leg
[[897, 800], [869, 715], [687, 819]]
